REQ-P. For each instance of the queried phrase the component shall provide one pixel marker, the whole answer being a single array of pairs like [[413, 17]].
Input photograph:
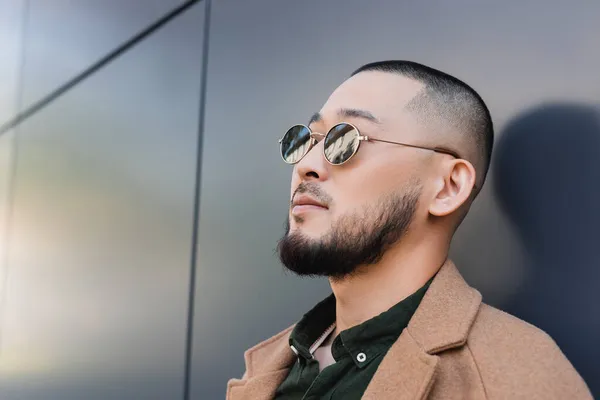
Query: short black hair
[[448, 100]]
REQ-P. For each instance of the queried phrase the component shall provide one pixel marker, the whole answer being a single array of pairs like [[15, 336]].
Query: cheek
[[357, 191], [364, 186]]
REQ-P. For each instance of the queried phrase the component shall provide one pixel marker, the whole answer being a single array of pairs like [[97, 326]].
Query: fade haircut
[[446, 101]]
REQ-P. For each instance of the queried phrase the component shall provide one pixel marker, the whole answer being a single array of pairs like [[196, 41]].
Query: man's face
[[368, 203]]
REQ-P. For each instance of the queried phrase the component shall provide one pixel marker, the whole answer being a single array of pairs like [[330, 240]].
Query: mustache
[[315, 191]]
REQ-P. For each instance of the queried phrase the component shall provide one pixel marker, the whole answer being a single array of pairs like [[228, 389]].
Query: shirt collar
[[363, 342], [312, 328], [373, 337], [442, 321]]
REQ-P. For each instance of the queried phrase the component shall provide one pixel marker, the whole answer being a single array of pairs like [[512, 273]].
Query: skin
[[376, 170]]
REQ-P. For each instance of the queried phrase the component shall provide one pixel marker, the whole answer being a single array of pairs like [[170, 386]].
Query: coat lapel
[[267, 365], [261, 387], [442, 321], [406, 372]]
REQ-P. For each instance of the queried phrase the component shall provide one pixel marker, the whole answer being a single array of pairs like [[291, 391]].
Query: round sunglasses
[[340, 143]]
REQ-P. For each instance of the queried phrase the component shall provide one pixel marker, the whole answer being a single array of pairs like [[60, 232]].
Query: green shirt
[[358, 351]]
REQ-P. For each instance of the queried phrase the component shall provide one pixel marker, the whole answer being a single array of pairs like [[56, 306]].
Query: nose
[[313, 165]]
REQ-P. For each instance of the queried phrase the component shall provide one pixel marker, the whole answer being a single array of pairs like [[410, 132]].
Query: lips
[[305, 200]]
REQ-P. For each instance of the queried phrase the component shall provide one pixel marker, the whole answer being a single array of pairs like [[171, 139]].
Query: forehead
[[383, 94]]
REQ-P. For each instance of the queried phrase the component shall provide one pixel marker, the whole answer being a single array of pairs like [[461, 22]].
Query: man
[[383, 176]]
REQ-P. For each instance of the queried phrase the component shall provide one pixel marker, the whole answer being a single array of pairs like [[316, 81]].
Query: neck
[[376, 288]]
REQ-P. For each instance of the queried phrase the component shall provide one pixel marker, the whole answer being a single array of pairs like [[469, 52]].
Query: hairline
[[426, 92]]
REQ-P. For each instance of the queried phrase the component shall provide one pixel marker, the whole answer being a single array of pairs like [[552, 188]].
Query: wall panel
[[64, 37], [98, 263]]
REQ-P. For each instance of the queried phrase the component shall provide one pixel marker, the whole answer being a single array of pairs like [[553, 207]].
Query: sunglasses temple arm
[[436, 149]]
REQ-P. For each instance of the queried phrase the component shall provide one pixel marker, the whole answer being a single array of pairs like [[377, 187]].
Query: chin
[[310, 229]]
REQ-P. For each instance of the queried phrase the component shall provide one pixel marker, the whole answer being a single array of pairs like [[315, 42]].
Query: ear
[[453, 187]]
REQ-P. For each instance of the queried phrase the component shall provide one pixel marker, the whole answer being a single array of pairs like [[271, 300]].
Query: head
[[387, 194]]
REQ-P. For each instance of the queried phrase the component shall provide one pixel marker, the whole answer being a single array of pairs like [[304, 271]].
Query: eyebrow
[[347, 113]]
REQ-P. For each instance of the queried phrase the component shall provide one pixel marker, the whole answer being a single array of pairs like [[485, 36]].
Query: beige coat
[[455, 347]]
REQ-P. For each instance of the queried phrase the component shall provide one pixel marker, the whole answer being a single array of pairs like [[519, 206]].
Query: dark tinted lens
[[295, 144], [341, 143]]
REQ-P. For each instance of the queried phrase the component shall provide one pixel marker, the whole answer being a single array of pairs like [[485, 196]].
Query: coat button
[[361, 357]]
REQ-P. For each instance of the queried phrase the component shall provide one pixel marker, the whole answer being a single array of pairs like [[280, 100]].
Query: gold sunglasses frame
[[361, 138]]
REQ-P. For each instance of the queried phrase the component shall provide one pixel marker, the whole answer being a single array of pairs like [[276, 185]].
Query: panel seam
[[189, 340], [86, 73]]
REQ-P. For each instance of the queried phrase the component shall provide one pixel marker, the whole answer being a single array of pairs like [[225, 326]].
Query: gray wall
[[96, 272], [97, 188]]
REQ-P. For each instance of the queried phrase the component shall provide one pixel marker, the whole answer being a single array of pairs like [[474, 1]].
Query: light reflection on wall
[[99, 256]]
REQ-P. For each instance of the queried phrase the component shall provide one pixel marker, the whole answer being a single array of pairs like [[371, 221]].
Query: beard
[[355, 239]]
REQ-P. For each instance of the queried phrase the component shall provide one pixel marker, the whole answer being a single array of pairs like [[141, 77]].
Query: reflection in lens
[[341, 143], [295, 143]]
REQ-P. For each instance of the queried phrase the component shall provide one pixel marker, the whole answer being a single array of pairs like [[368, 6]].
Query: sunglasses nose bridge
[[311, 143], [314, 142], [314, 158], [315, 136]]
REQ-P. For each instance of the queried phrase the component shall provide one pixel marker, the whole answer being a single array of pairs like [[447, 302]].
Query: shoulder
[[500, 328], [516, 358]]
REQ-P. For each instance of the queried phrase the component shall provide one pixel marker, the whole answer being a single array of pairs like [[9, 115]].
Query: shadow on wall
[[547, 180]]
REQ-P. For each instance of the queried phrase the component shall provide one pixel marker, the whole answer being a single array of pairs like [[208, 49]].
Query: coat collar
[[446, 313], [442, 321], [267, 365]]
